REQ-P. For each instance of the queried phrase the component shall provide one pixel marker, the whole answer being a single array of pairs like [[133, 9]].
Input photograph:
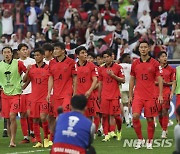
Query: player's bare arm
[[118, 79], [74, 84], [160, 83], [173, 89], [26, 78], [94, 82], [50, 86], [99, 91], [25, 84], [131, 87]]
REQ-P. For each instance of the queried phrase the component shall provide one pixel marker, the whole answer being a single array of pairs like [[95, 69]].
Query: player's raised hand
[[160, 99], [110, 72]]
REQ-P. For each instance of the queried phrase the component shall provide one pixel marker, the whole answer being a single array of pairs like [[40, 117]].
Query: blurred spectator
[[163, 36], [101, 24], [88, 5], [176, 54], [100, 3], [108, 12], [120, 32], [29, 40], [3, 43], [155, 6], [140, 28], [48, 31], [143, 5], [101, 46], [83, 14], [170, 49], [33, 12], [110, 27], [122, 7], [13, 43], [168, 4], [7, 23], [45, 16], [54, 9], [19, 16], [15, 54], [146, 19], [172, 19]]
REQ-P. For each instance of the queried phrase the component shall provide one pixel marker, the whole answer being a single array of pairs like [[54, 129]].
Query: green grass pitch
[[111, 147]]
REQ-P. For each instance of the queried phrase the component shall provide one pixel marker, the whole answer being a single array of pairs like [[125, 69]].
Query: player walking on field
[[110, 76], [10, 82], [86, 80], [38, 75], [25, 96], [167, 75], [62, 79], [144, 72]]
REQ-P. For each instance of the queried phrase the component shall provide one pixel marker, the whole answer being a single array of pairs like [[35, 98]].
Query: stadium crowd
[[102, 32], [127, 20]]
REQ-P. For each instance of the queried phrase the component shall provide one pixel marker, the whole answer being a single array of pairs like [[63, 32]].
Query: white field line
[[30, 151]]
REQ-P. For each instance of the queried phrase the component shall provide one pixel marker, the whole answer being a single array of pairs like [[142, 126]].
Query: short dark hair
[[108, 52], [7, 47], [40, 50], [144, 41], [22, 45], [162, 52], [47, 46], [92, 54], [60, 45], [79, 102], [77, 51], [178, 110], [124, 56], [99, 55]]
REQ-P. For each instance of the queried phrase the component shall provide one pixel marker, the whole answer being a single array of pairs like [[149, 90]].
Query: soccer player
[[48, 49], [10, 83], [74, 132], [144, 72], [86, 79], [110, 76], [167, 75], [38, 75], [25, 96], [62, 79], [124, 88]]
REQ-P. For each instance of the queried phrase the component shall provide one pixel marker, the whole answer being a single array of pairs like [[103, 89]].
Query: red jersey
[[145, 74], [110, 87], [85, 74], [62, 73], [39, 78], [167, 75], [21, 67]]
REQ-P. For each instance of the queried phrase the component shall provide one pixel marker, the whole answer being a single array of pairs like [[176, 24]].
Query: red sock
[[118, 122], [112, 128], [51, 136], [45, 129], [105, 124], [30, 122], [24, 126], [137, 128], [96, 122], [165, 121], [150, 130], [37, 131], [160, 120]]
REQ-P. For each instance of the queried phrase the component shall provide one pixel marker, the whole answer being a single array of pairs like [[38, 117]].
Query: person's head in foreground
[[78, 103]]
